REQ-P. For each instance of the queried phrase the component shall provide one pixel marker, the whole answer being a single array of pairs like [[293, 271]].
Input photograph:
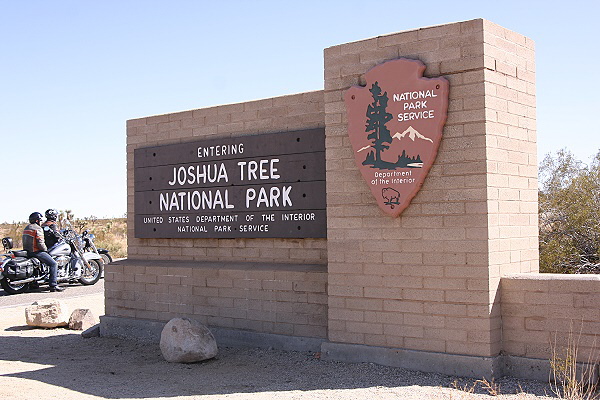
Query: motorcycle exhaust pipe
[[23, 281]]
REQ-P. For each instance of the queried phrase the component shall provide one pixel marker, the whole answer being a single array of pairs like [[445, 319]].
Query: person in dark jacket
[[33, 242], [50, 227]]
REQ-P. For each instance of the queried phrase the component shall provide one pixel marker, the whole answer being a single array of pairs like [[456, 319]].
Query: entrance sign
[[270, 185], [395, 126]]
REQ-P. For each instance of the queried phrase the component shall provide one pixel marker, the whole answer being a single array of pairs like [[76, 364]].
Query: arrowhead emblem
[[395, 125]]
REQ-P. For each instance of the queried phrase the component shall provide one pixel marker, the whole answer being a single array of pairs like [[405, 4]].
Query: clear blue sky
[[72, 73]]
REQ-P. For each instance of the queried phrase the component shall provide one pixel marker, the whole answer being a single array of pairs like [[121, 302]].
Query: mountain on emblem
[[412, 135], [396, 99]]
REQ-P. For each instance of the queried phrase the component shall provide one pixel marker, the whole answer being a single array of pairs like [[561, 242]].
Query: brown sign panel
[[395, 125], [270, 185]]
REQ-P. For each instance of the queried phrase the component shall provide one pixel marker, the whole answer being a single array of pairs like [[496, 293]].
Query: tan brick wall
[[541, 311], [286, 113], [236, 296], [428, 279], [511, 157], [289, 298]]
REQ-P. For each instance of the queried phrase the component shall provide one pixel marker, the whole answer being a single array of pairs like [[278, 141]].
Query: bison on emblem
[[391, 196]]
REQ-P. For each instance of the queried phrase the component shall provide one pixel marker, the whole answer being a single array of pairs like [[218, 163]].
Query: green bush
[[569, 214]]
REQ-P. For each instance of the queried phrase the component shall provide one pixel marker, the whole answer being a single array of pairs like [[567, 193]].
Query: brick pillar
[[428, 280]]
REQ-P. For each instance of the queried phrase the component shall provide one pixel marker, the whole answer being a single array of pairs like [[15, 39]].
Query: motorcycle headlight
[[7, 243]]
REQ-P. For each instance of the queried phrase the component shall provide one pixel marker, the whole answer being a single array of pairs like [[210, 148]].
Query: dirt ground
[[60, 364]]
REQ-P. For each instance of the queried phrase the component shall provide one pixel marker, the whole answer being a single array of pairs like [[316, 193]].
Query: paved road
[[71, 290]]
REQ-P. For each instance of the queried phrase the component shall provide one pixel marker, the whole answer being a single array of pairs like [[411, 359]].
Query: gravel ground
[[60, 364]]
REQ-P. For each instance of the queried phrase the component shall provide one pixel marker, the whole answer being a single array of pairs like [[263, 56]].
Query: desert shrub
[[110, 233], [13, 230], [569, 214]]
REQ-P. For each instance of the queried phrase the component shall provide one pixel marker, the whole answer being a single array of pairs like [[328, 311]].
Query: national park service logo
[[395, 126]]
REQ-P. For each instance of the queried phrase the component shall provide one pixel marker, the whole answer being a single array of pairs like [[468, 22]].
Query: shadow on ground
[[115, 368], [20, 328]]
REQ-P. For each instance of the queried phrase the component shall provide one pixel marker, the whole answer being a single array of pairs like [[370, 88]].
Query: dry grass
[[110, 234], [569, 380], [490, 387]]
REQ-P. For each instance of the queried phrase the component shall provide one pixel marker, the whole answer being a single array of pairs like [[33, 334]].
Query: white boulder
[[186, 341], [47, 313], [82, 319]]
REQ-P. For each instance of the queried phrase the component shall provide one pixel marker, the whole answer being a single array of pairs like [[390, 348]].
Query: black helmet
[[35, 217], [51, 214]]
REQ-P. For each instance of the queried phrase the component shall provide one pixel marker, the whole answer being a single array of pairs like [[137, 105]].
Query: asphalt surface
[[71, 290]]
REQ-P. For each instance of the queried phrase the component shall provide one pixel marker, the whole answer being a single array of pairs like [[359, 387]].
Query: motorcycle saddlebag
[[19, 268]]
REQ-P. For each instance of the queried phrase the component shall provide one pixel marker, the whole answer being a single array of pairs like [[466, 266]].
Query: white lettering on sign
[[179, 219], [153, 220], [270, 199], [419, 104], [216, 218], [415, 115], [195, 200], [191, 228], [254, 228], [221, 150], [421, 94], [196, 174], [298, 217], [255, 170], [415, 105], [393, 173]]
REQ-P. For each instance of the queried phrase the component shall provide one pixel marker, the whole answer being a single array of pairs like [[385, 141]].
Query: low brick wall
[[541, 311], [282, 299]]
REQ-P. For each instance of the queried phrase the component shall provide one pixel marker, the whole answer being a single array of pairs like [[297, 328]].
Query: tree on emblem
[[377, 117]]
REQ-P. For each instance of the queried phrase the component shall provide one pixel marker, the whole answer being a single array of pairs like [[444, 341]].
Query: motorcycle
[[18, 272], [89, 245]]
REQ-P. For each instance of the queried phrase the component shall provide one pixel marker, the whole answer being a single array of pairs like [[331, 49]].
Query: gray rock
[[186, 341], [47, 313], [82, 319], [94, 331]]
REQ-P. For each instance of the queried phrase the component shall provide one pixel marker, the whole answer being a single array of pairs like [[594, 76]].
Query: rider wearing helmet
[[50, 227], [33, 242]]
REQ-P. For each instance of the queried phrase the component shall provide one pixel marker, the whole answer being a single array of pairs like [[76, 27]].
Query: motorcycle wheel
[[106, 258], [89, 277], [13, 289]]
